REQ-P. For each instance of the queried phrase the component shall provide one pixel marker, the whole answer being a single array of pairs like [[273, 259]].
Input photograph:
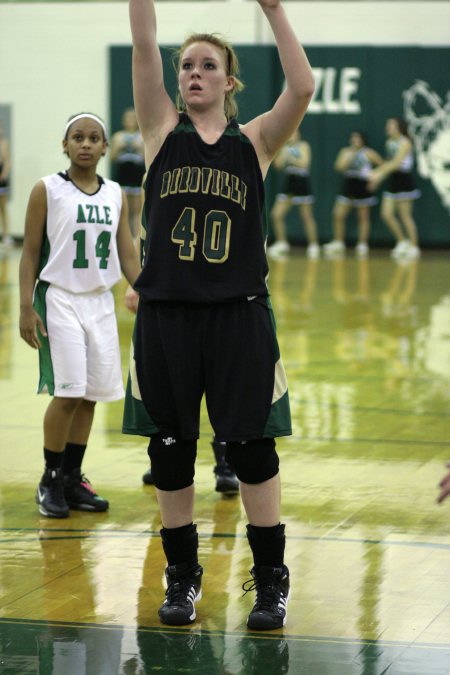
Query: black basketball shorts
[[227, 351]]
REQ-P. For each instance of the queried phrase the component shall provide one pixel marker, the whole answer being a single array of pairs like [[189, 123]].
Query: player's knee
[[172, 461], [254, 461]]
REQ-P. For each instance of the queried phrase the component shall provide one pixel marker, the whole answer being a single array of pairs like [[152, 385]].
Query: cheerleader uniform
[[130, 165], [401, 183], [296, 182], [354, 188]]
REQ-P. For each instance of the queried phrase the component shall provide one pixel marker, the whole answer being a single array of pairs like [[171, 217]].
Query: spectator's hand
[[445, 487], [131, 299]]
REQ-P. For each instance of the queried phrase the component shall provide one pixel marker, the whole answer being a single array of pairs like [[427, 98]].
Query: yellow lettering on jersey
[[244, 196], [210, 181], [225, 184], [165, 184], [215, 188], [206, 179], [184, 179], [194, 183], [175, 181], [235, 194]]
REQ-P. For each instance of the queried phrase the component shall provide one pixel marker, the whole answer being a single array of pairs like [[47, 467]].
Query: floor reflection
[[52, 649]]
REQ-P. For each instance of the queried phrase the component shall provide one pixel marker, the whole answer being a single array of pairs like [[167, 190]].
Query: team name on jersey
[[205, 180], [92, 213]]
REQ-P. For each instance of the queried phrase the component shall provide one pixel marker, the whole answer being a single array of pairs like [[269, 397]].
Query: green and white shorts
[[81, 356]]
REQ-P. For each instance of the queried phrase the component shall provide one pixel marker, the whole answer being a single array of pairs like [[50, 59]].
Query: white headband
[[80, 117]]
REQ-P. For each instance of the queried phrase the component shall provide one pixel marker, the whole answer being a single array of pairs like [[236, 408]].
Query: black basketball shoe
[[184, 589], [80, 495], [147, 478], [50, 495], [272, 594], [226, 480]]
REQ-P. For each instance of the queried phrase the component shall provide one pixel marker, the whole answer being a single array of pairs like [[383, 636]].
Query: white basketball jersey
[[79, 253]]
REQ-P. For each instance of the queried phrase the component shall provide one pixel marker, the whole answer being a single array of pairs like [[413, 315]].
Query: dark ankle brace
[[180, 544], [267, 544]]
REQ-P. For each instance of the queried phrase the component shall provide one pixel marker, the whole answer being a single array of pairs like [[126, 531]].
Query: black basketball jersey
[[203, 213]]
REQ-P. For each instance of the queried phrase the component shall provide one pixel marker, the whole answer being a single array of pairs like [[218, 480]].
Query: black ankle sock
[[73, 457], [267, 544], [180, 544], [53, 460]]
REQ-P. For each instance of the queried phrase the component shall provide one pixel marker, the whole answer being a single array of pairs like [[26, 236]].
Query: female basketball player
[[77, 241], [204, 324], [355, 162], [294, 160], [401, 191]]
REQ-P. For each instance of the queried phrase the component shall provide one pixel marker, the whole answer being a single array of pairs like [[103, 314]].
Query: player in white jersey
[[77, 244], [398, 199]]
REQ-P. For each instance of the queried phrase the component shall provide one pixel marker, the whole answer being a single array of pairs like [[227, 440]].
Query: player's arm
[[155, 111], [128, 256], [271, 130], [35, 220]]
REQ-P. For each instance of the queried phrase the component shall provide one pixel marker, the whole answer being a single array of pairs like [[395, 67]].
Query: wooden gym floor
[[366, 345]]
